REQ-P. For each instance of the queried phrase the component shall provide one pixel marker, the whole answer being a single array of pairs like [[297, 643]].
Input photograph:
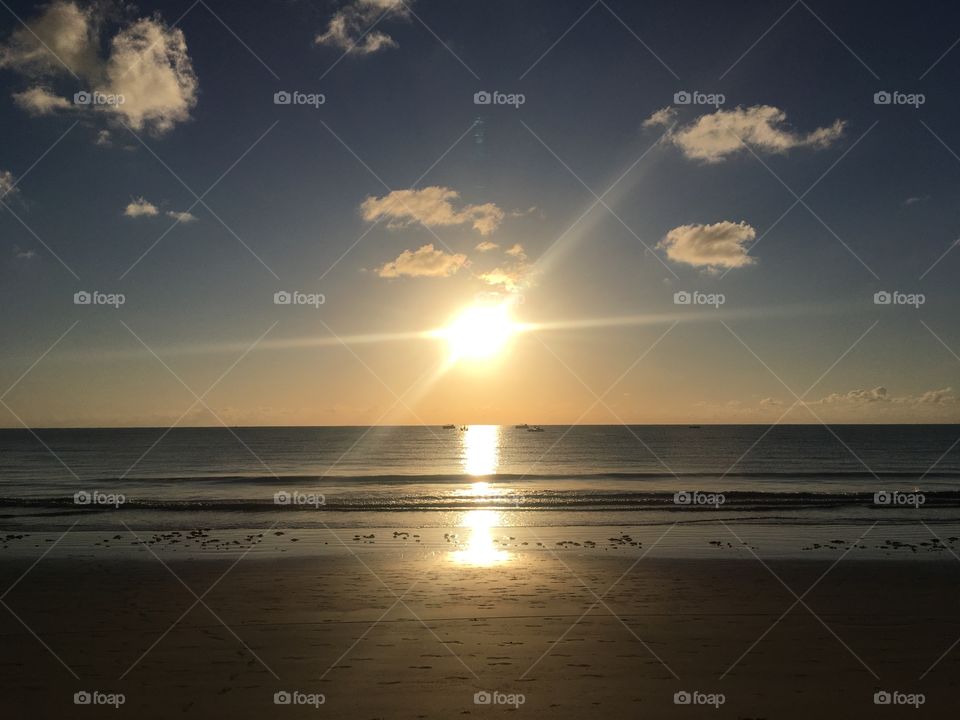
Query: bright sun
[[479, 332]]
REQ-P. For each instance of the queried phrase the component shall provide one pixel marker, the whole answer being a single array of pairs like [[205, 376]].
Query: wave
[[540, 500]]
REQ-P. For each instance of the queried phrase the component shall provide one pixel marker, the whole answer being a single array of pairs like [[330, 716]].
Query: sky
[[697, 213]]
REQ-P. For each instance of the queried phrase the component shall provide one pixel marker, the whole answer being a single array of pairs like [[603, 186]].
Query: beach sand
[[414, 634]]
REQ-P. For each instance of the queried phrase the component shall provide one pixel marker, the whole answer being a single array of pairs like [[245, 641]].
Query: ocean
[[577, 475]]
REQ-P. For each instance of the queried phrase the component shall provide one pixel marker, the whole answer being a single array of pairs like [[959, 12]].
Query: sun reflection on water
[[481, 449], [481, 549]]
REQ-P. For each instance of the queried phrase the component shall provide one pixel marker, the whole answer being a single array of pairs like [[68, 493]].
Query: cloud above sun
[[145, 68], [350, 30], [432, 206], [141, 207], [426, 261], [710, 247], [716, 136]]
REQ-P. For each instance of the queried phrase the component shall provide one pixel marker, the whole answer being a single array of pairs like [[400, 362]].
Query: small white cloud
[[40, 101], [720, 245], [517, 251], [514, 274], [104, 139], [423, 262], [915, 200], [7, 183], [23, 254], [349, 28], [714, 137], [663, 117], [182, 217], [140, 207], [432, 206], [486, 246]]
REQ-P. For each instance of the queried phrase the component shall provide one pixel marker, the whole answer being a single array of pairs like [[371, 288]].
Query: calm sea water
[[423, 468]]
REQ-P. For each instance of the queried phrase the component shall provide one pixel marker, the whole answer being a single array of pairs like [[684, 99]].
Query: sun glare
[[479, 332]]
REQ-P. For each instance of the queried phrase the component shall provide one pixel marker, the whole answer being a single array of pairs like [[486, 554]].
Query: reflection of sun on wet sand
[[481, 548]]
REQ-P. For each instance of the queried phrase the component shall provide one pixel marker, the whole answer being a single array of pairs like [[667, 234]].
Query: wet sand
[[414, 634]]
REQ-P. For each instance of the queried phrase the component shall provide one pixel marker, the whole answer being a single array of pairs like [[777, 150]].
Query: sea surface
[[576, 475]]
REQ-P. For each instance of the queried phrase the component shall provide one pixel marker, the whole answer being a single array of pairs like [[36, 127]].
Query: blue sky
[[296, 209]]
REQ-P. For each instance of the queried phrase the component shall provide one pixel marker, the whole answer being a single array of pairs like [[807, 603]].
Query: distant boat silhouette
[[534, 428], [524, 426], [449, 427]]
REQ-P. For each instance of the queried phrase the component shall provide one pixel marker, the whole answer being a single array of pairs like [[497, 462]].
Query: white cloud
[[7, 183], [663, 117], [713, 137], [349, 28], [858, 398], [512, 275], [424, 262], [21, 254], [486, 246], [40, 101], [183, 217], [433, 206], [104, 139], [147, 66], [720, 245], [140, 207]]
